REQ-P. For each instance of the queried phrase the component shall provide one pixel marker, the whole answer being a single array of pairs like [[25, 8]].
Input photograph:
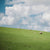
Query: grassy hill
[[22, 39]]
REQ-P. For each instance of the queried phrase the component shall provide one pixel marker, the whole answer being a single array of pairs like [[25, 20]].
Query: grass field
[[22, 39]]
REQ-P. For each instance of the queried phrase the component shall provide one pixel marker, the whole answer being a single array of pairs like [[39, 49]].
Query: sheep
[[40, 32]]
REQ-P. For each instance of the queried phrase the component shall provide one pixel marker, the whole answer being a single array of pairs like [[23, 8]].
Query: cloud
[[28, 2], [46, 16], [16, 10], [1, 15], [24, 22], [7, 20], [34, 17]]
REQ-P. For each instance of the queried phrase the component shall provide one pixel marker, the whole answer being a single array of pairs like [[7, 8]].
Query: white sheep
[[40, 32]]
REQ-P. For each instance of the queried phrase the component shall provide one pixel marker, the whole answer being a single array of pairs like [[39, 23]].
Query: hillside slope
[[22, 39]]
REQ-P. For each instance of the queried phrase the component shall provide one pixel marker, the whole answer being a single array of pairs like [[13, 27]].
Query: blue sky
[[2, 6], [26, 14]]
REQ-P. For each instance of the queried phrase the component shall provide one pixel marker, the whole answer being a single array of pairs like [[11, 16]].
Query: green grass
[[22, 39]]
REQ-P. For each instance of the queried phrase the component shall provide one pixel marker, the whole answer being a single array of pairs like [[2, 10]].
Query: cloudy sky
[[25, 14]]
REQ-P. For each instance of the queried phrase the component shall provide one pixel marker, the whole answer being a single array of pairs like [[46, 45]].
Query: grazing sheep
[[40, 32]]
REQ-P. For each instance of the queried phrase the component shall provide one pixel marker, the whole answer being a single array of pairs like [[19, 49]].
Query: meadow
[[23, 39]]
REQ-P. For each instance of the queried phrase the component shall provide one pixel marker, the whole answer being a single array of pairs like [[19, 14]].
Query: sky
[[2, 6], [25, 14]]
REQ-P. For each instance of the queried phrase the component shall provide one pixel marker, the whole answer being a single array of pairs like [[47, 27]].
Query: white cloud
[[17, 10], [46, 16], [7, 21], [28, 2], [24, 22], [1, 15], [38, 8], [47, 29], [20, 11]]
